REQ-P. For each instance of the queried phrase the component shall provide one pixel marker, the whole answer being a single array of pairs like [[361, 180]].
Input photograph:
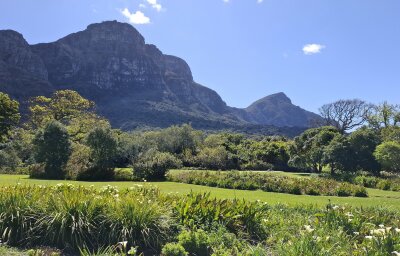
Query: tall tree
[[63, 106], [384, 115], [307, 151], [53, 148], [103, 147], [9, 115], [345, 115]]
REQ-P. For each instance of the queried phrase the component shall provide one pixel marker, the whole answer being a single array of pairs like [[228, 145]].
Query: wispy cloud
[[142, 5], [135, 18], [260, 1], [155, 5], [310, 49], [226, 1]]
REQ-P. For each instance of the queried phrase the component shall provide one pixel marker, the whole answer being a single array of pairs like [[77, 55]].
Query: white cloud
[[226, 1], [260, 1], [310, 49], [155, 5], [142, 5], [135, 18]]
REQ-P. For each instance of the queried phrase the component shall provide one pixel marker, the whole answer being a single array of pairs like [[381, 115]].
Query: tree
[[53, 148], [103, 147], [384, 115], [307, 151], [9, 115], [339, 155], [363, 144], [388, 155], [345, 115], [63, 106]]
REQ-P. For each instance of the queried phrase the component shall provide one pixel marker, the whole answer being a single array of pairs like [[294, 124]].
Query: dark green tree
[[339, 155], [9, 115], [103, 147], [307, 151], [363, 143], [53, 148]]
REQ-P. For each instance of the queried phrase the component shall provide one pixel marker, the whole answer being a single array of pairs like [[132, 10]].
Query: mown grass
[[376, 197]]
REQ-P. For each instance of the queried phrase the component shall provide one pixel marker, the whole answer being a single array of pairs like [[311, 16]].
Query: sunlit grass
[[376, 197]]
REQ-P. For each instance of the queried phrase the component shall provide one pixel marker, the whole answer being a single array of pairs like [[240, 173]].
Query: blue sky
[[316, 51]]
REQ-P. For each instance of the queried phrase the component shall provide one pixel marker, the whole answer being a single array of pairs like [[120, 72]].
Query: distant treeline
[[64, 138]]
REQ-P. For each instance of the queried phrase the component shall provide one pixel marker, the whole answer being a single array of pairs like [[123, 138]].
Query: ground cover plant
[[268, 182], [141, 220]]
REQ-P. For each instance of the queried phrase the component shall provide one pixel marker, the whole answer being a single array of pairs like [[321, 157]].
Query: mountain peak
[[108, 31], [276, 98]]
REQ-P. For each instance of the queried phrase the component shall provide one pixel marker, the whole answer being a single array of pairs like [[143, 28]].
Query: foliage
[[79, 161], [268, 182], [173, 249], [63, 106], [153, 165], [363, 143], [307, 151], [388, 155], [72, 218], [214, 158], [9, 115], [53, 148], [102, 150]]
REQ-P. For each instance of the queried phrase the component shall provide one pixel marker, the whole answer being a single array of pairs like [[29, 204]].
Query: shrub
[[154, 165], [9, 161], [195, 242], [123, 174], [268, 182], [173, 249], [36, 171], [79, 161]]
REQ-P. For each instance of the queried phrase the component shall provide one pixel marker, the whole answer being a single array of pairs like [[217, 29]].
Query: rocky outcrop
[[133, 83]]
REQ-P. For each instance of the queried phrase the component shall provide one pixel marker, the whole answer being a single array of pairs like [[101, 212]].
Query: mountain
[[132, 83]]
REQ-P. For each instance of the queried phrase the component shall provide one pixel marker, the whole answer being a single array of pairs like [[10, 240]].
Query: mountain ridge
[[132, 83]]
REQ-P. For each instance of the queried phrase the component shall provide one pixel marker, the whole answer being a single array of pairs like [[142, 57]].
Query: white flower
[[335, 207], [397, 230], [396, 253], [369, 237], [308, 228], [381, 226], [356, 233]]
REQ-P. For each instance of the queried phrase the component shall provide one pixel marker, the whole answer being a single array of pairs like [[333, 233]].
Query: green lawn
[[376, 197]]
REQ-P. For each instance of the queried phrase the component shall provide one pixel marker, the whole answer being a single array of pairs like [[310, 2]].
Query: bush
[[195, 242], [36, 171], [173, 249], [9, 161], [268, 182], [154, 165], [79, 161], [123, 174]]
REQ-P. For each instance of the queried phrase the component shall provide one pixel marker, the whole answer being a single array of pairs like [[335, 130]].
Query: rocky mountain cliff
[[133, 83]]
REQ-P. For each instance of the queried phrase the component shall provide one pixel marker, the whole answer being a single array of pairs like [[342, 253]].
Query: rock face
[[133, 83]]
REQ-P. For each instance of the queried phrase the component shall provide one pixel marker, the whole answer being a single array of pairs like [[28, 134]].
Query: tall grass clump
[[142, 221]]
